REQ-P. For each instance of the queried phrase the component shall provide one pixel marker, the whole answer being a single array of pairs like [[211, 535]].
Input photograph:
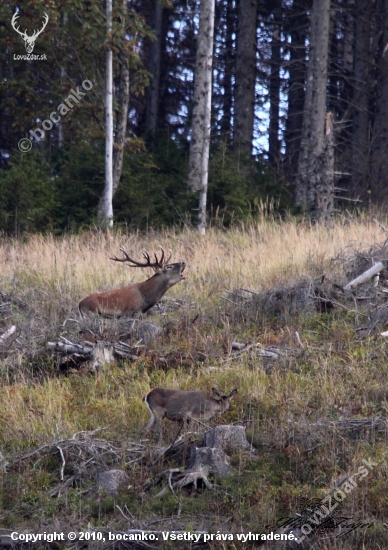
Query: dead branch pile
[[370, 298], [80, 459], [354, 261], [307, 296]]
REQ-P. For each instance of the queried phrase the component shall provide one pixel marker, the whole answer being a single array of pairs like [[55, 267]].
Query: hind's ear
[[216, 394], [233, 393]]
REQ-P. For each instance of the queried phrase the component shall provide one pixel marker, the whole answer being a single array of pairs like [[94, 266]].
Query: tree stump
[[102, 354], [227, 438]]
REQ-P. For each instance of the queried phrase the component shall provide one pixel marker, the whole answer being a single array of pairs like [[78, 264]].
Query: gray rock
[[111, 481], [148, 332]]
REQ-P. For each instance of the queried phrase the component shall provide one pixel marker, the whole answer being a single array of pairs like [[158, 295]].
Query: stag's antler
[[157, 264]]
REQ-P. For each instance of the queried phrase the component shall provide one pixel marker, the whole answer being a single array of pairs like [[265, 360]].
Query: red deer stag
[[138, 297], [183, 406]]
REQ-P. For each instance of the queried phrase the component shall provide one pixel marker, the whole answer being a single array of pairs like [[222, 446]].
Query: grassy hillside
[[334, 376]]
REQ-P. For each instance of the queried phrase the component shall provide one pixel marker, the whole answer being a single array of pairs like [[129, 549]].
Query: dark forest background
[[259, 109]]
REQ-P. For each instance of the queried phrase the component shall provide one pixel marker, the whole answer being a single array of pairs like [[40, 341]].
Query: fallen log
[[365, 276]]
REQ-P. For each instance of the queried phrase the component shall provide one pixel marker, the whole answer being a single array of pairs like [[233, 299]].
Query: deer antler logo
[[29, 41]]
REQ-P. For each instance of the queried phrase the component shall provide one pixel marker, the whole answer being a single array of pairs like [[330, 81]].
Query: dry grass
[[256, 257], [336, 376]]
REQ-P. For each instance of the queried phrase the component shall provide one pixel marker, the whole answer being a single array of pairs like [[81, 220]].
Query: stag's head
[[29, 41], [173, 273]]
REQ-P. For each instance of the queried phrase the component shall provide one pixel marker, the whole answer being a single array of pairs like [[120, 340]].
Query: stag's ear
[[216, 395], [233, 393]]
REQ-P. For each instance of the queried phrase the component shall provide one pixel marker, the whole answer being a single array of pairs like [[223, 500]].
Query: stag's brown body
[[183, 406], [137, 297]]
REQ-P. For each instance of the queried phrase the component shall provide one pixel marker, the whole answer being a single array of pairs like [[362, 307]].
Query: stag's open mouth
[[182, 270]]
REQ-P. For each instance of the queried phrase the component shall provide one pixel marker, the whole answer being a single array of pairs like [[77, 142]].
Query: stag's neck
[[153, 289]]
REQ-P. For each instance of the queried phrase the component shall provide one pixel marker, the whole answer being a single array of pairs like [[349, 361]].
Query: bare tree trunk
[[324, 175], [274, 87], [379, 172], [154, 67], [361, 117], [61, 137], [296, 90], [314, 112], [105, 207], [245, 77]]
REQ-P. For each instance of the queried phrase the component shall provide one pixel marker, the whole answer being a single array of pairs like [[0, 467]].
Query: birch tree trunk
[[245, 77], [297, 31], [197, 178], [205, 150], [121, 119], [202, 97], [208, 105], [314, 111], [105, 207]]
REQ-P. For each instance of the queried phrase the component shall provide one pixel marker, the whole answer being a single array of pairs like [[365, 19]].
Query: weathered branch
[[7, 334], [365, 276], [68, 348]]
